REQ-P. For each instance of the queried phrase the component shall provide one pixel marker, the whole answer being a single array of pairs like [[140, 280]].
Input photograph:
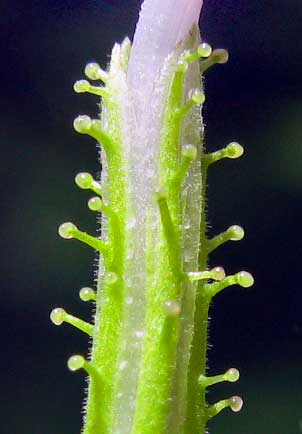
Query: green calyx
[[147, 365]]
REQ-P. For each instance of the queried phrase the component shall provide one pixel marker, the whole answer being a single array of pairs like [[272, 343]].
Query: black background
[[255, 99]]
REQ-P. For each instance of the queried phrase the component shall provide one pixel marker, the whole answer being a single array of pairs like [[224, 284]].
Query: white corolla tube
[[163, 28]]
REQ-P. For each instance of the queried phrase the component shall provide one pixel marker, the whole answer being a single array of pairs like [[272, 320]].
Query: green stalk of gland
[[168, 354]]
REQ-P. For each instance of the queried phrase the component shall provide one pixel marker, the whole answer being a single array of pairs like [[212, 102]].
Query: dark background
[[255, 99]]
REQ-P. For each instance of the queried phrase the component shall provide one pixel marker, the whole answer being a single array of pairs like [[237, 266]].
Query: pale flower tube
[[162, 33]]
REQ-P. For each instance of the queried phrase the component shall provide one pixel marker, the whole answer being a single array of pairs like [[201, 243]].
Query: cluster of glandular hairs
[[147, 366]]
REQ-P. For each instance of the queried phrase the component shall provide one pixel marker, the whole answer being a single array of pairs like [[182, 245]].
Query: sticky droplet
[[139, 334], [81, 86], [93, 71], [245, 279], [57, 316], [236, 403], [111, 278], [129, 300], [232, 375], [130, 254], [236, 232], [220, 55], [218, 273], [189, 151], [204, 50], [87, 294], [67, 230], [76, 362], [84, 180], [197, 96], [234, 150], [182, 66], [172, 308], [131, 223], [95, 204], [123, 365], [82, 124]]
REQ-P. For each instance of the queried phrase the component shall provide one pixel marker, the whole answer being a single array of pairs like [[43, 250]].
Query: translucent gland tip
[[81, 86], [82, 124], [95, 204], [189, 151], [87, 294], [93, 71], [172, 308], [236, 403], [57, 316], [204, 50], [234, 150], [75, 363], [67, 230], [111, 278], [232, 375], [84, 180], [236, 232], [220, 55], [245, 279], [218, 273], [197, 96], [182, 66]]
